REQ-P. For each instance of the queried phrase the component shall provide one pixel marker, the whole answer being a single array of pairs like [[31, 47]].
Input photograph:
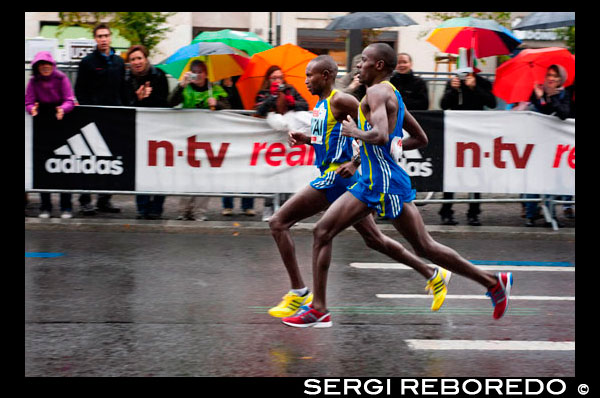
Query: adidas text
[[90, 165]]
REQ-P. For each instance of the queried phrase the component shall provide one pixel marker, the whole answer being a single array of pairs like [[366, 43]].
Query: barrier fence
[[120, 150]]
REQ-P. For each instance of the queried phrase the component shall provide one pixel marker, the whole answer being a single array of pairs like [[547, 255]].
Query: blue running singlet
[[383, 185]]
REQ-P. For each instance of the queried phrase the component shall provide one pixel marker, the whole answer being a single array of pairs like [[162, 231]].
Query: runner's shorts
[[387, 205], [334, 185]]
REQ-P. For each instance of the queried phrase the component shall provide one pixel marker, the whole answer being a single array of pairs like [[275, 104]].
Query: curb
[[262, 228]]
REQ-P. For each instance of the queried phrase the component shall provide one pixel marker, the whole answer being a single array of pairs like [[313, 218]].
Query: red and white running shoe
[[307, 317], [500, 293]]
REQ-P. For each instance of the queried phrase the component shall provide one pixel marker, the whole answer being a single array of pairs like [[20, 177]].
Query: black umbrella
[[546, 20], [368, 20]]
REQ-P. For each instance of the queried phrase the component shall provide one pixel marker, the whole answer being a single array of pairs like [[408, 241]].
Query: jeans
[[147, 204], [65, 202], [247, 203], [474, 210], [532, 209], [101, 201]]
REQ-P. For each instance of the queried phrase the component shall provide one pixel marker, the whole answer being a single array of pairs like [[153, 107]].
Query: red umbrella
[[515, 78]]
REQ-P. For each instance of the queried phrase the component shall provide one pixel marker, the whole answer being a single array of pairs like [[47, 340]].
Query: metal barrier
[[71, 69]]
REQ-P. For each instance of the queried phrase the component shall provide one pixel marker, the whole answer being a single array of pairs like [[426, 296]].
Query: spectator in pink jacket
[[49, 95], [48, 87]]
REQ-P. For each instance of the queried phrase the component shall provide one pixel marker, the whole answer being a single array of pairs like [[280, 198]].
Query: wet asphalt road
[[159, 304]]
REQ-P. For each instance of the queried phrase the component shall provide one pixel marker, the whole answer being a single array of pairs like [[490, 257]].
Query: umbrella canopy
[[221, 60], [515, 78], [546, 20], [368, 20], [290, 58], [486, 37], [248, 42]]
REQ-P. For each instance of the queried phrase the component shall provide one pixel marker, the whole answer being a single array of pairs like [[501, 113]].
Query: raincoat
[[53, 90]]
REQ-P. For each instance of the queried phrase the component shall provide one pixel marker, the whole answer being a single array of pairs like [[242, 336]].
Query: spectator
[[350, 84], [236, 103], [146, 86], [49, 96], [195, 91], [549, 98], [100, 81], [469, 92], [276, 96], [412, 88]]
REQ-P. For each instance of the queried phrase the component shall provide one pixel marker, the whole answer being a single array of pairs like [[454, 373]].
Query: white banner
[[203, 151], [508, 152]]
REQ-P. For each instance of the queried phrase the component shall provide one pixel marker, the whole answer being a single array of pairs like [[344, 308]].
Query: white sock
[[434, 275], [300, 292]]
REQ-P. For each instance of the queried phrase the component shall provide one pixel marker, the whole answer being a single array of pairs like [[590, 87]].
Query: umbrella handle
[[210, 94]]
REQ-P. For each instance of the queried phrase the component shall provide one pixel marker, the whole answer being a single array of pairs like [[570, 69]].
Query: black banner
[[91, 148], [425, 166]]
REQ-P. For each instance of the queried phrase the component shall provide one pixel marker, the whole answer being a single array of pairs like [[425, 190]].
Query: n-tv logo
[[83, 150], [90, 149]]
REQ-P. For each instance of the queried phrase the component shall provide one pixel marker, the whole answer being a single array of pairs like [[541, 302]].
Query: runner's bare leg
[[305, 203], [410, 224], [344, 212]]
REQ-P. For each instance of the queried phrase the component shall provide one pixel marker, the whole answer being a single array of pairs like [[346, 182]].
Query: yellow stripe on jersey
[[382, 201], [363, 120], [331, 122]]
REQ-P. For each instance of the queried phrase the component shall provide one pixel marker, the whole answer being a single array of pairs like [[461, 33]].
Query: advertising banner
[[202, 151], [91, 148], [195, 151], [508, 152]]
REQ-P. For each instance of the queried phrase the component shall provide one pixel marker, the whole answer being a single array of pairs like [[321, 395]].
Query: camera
[[462, 73], [192, 76]]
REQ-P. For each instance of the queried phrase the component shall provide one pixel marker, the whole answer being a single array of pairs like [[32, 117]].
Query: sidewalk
[[496, 218]]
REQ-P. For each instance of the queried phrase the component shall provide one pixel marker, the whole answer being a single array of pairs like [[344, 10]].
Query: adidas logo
[[89, 144]]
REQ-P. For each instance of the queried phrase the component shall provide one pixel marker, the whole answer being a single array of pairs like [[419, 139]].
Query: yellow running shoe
[[290, 304], [438, 286]]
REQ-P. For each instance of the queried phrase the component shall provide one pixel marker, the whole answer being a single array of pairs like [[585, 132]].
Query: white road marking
[[500, 345], [475, 297], [401, 266]]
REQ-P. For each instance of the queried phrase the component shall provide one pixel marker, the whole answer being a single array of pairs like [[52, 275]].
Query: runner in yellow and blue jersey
[[386, 187], [331, 150], [333, 154]]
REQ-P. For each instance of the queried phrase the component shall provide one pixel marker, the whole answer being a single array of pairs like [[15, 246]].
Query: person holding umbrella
[[277, 96], [549, 98], [466, 91], [195, 91]]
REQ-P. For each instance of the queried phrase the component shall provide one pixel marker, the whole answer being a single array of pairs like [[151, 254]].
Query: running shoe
[[500, 293], [438, 286], [308, 317], [290, 304]]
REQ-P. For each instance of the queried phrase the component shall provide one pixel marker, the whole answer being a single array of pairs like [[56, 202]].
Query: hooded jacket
[[558, 104], [54, 90]]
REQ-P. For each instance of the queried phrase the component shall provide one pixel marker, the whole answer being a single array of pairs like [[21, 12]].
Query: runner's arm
[[378, 135]]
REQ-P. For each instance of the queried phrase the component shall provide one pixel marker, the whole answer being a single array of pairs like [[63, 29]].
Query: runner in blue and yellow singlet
[[331, 150], [333, 154], [385, 187]]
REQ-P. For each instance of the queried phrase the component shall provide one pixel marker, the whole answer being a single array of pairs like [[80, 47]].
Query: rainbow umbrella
[[221, 60], [248, 42], [486, 37]]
